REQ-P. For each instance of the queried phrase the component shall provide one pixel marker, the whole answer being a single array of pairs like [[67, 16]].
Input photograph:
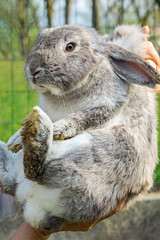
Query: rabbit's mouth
[[52, 89], [36, 81]]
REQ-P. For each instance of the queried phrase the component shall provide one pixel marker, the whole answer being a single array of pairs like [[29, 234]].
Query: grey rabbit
[[94, 139]]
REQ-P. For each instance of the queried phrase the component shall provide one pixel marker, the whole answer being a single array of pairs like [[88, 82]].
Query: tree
[[143, 16], [131, 11], [50, 11], [26, 13], [158, 2], [18, 18], [67, 11], [96, 19]]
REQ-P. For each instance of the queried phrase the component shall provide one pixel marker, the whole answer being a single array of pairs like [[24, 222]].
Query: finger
[[152, 57], [157, 89], [152, 64], [145, 29], [147, 44], [149, 53]]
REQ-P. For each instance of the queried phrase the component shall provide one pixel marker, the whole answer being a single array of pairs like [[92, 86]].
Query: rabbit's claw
[[15, 148], [58, 137], [63, 130]]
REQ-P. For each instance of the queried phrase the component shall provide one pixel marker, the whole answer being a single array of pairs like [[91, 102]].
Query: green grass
[[156, 176], [17, 99]]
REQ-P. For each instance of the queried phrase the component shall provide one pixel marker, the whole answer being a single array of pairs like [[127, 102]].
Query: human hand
[[150, 55], [27, 232]]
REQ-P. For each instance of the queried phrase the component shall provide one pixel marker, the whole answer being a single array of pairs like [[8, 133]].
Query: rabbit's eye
[[70, 47]]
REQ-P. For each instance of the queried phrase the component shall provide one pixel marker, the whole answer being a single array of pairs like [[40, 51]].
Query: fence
[[19, 25]]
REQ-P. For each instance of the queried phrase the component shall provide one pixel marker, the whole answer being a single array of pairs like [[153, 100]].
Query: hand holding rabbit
[[150, 55]]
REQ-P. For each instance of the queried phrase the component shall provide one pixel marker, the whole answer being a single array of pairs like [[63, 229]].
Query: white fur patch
[[38, 200], [42, 201], [66, 146], [130, 35]]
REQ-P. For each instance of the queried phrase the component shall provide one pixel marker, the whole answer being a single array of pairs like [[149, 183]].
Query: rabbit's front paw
[[63, 129], [37, 134], [7, 176]]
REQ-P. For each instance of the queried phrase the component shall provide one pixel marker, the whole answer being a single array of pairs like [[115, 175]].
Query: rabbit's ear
[[132, 68]]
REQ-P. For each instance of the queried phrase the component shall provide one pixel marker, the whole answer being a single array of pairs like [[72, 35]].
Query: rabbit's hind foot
[[36, 140]]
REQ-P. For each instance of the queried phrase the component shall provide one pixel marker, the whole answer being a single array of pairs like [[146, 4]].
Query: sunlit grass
[[157, 171], [16, 98]]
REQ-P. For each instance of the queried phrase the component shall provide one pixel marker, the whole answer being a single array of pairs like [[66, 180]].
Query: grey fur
[[7, 181], [51, 223], [110, 113]]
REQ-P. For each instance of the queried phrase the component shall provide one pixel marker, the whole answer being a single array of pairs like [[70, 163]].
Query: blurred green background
[[21, 20]]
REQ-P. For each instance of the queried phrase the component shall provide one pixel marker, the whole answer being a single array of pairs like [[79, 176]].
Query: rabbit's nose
[[35, 64], [35, 72], [34, 69]]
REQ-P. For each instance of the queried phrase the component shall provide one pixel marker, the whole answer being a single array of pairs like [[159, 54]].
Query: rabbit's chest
[[57, 110]]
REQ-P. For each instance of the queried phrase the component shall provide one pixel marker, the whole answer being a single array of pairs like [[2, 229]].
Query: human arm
[[27, 232]]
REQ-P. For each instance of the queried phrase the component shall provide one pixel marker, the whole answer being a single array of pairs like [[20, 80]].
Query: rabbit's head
[[60, 59], [63, 58]]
